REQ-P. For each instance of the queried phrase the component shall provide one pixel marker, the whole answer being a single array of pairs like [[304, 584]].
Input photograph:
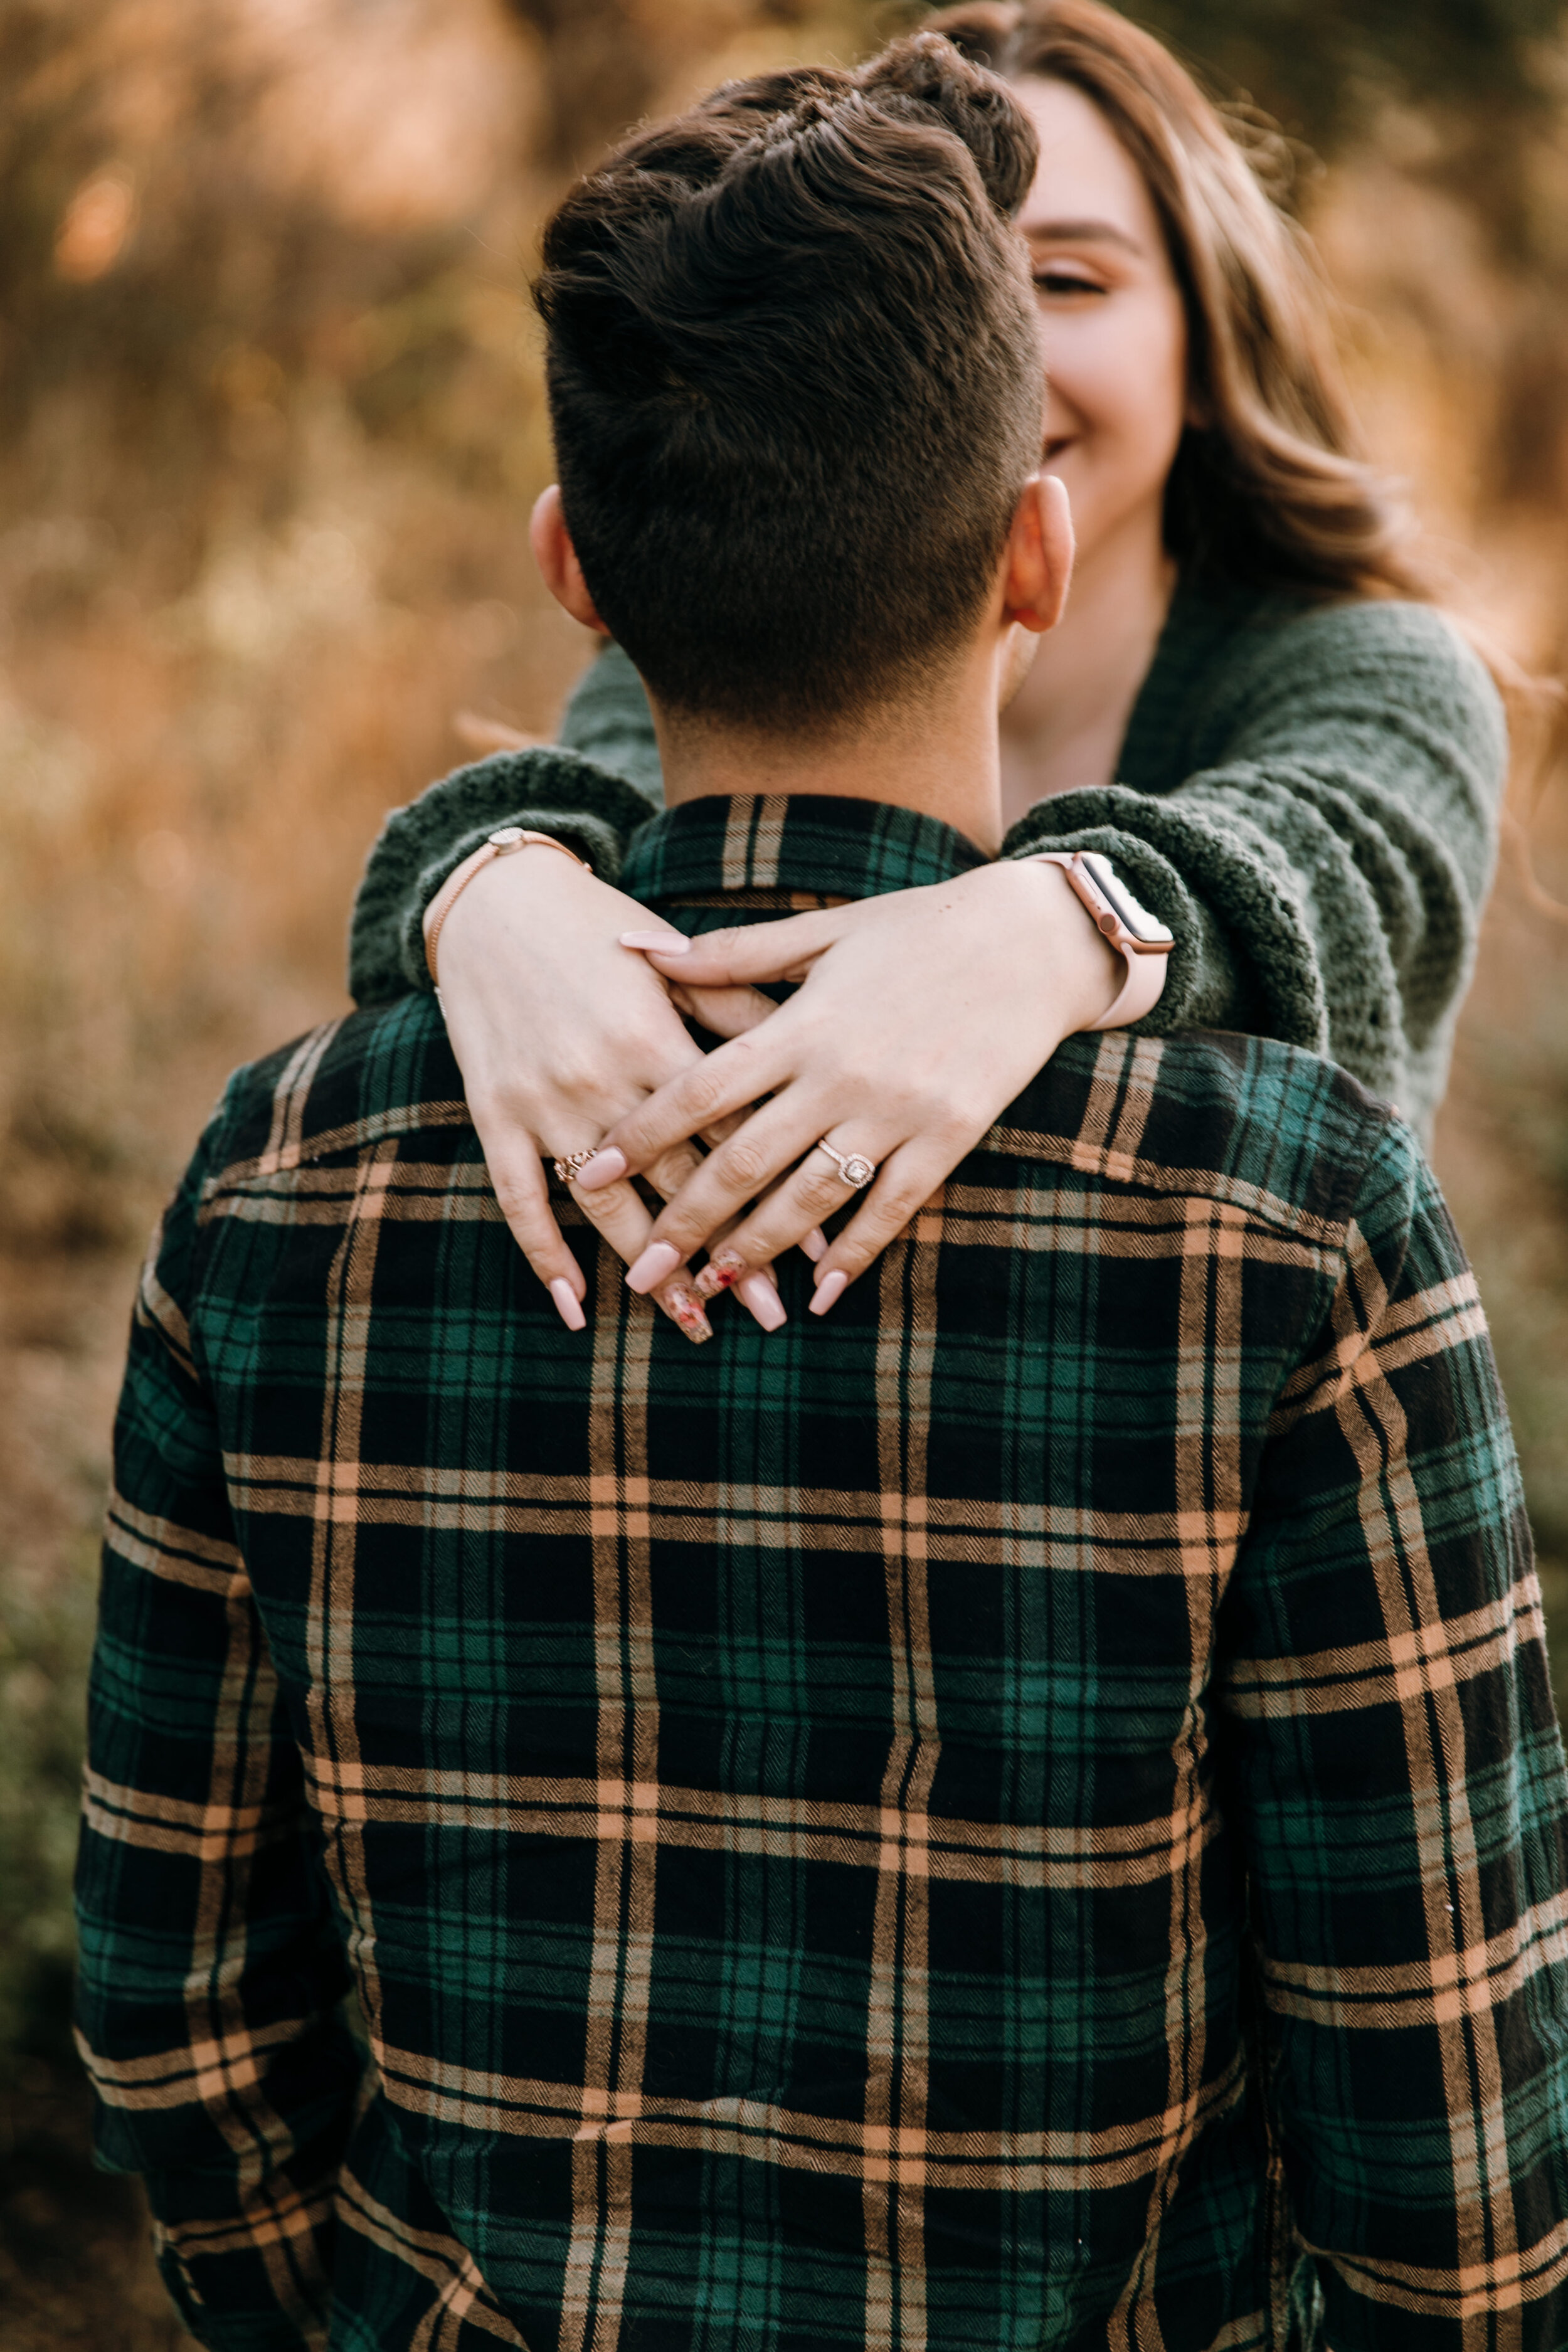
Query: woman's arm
[[1326, 856], [1322, 857], [1322, 860]]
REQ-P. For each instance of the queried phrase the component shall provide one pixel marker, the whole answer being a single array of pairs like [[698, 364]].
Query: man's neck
[[939, 758], [1065, 729]]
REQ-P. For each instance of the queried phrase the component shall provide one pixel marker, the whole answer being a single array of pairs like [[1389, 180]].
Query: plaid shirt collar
[[785, 842]]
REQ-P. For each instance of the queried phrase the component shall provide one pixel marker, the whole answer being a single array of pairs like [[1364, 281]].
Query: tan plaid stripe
[[205, 2070], [1467, 2293], [461, 2295], [334, 1549], [899, 1841], [158, 1312], [888, 2159], [1199, 1543], [185, 1555], [627, 1716], [897, 2054]]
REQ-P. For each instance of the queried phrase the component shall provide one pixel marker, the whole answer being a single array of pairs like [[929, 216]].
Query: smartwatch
[[1140, 936]]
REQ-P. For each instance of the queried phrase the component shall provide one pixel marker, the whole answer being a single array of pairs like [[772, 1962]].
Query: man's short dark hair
[[795, 382]]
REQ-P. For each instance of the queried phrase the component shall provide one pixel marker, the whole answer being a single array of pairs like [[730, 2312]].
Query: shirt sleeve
[[212, 1975], [1325, 860], [1388, 1742]]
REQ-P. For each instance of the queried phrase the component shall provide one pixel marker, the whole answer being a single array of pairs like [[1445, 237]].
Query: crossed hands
[[919, 1016]]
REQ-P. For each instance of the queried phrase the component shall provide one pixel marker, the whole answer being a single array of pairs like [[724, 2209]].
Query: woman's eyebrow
[[1079, 231]]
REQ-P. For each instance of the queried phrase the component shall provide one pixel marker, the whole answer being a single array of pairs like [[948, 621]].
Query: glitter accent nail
[[687, 1309], [722, 1269]]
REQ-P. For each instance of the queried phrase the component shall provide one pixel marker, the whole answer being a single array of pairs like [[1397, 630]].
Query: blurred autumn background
[[270, 424]]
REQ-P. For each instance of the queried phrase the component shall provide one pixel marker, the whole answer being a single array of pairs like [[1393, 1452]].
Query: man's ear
[[557, 560], [1039, 556]]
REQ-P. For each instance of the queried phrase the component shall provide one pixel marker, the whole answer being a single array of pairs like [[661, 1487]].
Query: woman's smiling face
[[1114, 323]]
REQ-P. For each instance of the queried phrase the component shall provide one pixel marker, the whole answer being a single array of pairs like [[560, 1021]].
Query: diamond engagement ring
[[853, 1166], [567, 1169]]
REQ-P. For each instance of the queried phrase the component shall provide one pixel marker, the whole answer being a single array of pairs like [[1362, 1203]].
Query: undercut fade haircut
[[795, 378]]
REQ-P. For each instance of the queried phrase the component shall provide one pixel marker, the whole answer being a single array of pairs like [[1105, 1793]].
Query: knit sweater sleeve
[[1325, 857]]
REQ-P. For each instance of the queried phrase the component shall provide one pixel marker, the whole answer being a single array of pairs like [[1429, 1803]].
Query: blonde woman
[[1290, 757]]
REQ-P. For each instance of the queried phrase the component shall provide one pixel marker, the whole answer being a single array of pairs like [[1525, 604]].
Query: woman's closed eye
[[1062, 282]]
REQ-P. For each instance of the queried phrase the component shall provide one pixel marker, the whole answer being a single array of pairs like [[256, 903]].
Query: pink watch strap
[[1141, 991]]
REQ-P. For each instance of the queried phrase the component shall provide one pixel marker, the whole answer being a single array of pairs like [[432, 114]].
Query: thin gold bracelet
[[511, 837]]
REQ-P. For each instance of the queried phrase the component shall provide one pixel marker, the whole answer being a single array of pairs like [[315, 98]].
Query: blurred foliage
[[270, 423], [1322, 68], [45, 1638], [605, 61], [169, 309]]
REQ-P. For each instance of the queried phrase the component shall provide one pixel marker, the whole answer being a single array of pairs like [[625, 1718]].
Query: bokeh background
[[271, 425]]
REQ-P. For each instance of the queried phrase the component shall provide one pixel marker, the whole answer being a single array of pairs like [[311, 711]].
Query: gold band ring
[[569, 1169]]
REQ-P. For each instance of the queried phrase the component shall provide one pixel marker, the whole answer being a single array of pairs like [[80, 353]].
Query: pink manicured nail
[[814, 1244], [657, 942], [722, 1269], [687, 1308], [657, 1263], [761, 1297], [566, 1304], [605, 1168], [829, 1290]]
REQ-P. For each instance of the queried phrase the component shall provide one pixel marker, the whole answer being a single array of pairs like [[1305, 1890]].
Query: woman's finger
[[750, 952], [713, 1088], [813, 1189], [724, 1011], [621, 1217], [756, 1289], [740, 1173], [905, 1183], [669, 1171], [517, 1175]]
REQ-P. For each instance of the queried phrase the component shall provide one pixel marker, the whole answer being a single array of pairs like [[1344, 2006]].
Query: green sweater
[[1307, 796]]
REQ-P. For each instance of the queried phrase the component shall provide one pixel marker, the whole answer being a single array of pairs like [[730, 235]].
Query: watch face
[[1138, 919]]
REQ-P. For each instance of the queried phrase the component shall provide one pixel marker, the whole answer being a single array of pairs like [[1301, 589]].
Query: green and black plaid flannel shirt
[[1027, 1813]]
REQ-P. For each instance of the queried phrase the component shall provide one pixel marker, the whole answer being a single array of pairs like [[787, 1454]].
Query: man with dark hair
[[799, 315], [1027, 1813]]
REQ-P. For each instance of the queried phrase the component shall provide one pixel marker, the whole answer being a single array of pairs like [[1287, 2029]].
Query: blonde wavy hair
[[1271, 489]]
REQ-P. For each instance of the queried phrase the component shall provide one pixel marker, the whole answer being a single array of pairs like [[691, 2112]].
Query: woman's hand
[[921, 1017], [559, 1031]]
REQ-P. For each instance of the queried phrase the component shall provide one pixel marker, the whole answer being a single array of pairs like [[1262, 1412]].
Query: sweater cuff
[[1244, 957], [594, 842]]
